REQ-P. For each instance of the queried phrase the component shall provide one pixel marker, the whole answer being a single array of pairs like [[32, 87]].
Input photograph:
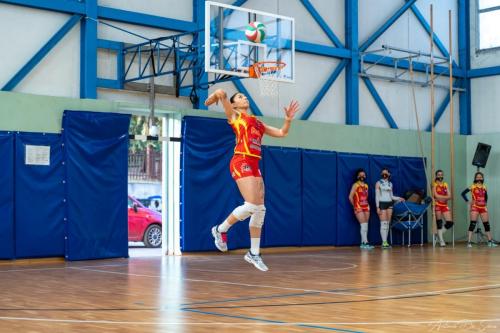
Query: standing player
[[244, 168], [384, 199], [359, 201], [478, 207], [441, 197]]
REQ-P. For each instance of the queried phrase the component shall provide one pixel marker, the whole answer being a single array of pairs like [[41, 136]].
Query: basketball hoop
[[268, 73], [265, 69]]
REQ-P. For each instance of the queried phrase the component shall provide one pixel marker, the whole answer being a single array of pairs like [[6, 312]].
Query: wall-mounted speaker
[[481, 155]]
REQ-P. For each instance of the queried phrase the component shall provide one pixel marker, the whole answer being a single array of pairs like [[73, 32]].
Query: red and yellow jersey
[[360, 195], [249, 131], [441, 189], [478, 195]]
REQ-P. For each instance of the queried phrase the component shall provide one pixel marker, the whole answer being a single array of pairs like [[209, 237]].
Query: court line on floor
[[223, 257], [351, 266], [485, 296], [372, 299], [80, 309], [380, 286], [453, 292], [259, 322], [250, 298], [216, 258], [225, 283], [331, 290], [305, 291], [268, 287], [284, 324], [447, 292], [272, 321]]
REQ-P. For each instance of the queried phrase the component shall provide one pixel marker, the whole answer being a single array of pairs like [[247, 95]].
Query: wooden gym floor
[[329, 289]]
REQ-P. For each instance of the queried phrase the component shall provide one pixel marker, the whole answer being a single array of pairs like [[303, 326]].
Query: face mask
[[361, 179], [479, 181], [385, 176], [439, 179]]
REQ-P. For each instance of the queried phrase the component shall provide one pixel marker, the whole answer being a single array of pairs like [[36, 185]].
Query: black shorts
[[383, 205]]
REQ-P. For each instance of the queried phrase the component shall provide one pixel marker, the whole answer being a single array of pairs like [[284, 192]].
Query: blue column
[[352, 68], [464, 63], [88, 51], [199, 20]]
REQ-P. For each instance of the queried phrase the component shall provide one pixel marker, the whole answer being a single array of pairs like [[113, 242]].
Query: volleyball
[[256, 32]]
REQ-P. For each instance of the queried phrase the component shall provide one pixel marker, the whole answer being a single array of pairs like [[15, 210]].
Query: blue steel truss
[[89, 14], [26, 69]]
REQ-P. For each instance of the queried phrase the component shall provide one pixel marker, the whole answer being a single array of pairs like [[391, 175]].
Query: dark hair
[[438, 171], [356, 174], [385, 169], [232, 97], [477, 174]]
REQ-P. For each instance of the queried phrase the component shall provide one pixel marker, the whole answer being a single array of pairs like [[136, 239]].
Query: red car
[[144, 224]]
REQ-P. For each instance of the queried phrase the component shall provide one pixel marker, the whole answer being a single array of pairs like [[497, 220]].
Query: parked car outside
[[144, 224], [155, 203]]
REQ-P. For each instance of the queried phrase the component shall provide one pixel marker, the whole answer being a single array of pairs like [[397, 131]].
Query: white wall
[[58, 74], [485, 104], [485, 58], [23, 32], [398, 98], [406, 33], [485, 91]]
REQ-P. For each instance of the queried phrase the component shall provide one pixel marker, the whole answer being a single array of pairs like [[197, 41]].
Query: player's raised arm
[[220, 96], [290, 112]]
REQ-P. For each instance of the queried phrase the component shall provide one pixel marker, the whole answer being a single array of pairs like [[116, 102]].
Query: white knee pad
[[257, 219], [244, 211]]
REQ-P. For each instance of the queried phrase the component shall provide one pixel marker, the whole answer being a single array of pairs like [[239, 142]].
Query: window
[[489, 24]]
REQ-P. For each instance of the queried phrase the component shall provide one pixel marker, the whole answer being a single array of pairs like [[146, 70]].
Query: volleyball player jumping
[[244, 168]]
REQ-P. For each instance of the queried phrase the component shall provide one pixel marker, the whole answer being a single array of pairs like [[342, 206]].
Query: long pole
[[434, 226], [417, 121], [452, 136]]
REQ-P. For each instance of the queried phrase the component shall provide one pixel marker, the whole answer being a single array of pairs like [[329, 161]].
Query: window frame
[[478, 27]]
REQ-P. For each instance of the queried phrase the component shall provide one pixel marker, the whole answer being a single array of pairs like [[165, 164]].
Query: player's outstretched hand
[[291, 110], [213, 98]]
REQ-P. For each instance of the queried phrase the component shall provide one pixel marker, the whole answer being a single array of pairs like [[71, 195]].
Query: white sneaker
[[469, 244], [442, 243], [256, 260], [220, 239]]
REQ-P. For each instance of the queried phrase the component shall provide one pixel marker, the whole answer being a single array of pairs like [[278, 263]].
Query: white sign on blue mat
[[37, 155]]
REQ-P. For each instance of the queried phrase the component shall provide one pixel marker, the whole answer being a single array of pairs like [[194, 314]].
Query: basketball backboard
[[228, 51]]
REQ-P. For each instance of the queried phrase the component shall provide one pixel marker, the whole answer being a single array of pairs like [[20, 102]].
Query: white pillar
[[173, 155]]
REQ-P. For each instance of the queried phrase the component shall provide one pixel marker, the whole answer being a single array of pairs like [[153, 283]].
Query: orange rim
[[263, 67]]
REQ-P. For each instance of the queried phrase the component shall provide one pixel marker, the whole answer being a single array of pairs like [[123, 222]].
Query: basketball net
[[267, 73]]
